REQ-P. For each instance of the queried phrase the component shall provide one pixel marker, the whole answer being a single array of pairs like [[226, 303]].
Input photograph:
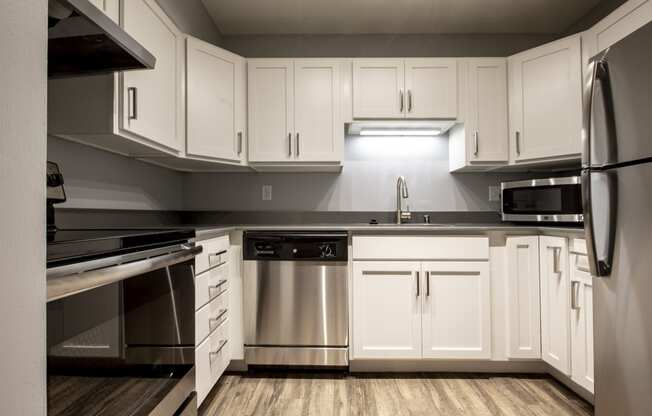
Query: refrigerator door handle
[[599, 153], [599, 198]]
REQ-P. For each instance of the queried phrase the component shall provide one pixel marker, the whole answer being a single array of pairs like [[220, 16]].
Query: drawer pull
[[219, 349], [215, 321]]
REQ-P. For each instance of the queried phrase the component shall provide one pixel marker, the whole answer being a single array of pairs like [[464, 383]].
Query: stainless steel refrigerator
[[617, 193]]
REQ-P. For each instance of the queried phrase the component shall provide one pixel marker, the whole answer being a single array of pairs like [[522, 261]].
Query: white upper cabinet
[[431, 88], [523, 303], [545, 102], [378, 88], [295, 111], [555, 302], [456, 310], [405, 88], [386, 309], [481, 142], [110, 7], [271, 110], [151, 99], [216, 102], [318, 126], [135, 113]]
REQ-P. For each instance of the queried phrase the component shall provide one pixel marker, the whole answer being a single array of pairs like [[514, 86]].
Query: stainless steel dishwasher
[[296, 298]]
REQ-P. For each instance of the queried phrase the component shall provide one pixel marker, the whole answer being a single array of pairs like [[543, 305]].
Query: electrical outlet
[[494, 194], [267, 192]]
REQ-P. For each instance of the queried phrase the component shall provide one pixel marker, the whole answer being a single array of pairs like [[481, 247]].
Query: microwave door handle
[[599, 199]]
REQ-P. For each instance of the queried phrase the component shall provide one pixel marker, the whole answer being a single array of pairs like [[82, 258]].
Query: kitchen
[[399, 208]]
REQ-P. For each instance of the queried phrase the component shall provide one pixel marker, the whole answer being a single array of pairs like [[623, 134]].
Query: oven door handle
[[77, 278]]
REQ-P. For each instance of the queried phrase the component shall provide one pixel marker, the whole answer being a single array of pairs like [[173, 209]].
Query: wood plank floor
[[305, 394]]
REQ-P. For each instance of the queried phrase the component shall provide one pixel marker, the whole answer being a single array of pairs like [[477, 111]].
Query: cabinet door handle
[[132, 97], [409, 101], [427, 284], [575, 292], [518, 143], [297, 144], [216, 320], [219, 349], [476, 145], [289, 144], [239, 142], [400, 94], [556, 253], [418, 285]]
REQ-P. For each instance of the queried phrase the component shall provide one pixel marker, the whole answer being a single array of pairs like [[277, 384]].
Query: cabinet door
[[386, 310], [152, 104], [456, 310], [431, 88], [487, 111], [379, 88], [523, 304], [581, 318], [555, 302], [211, 102], [271, 110], [546, 101], [319, 130], [110, 7]]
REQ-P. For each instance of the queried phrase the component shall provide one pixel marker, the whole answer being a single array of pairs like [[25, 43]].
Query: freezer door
[[618, 103], [622, 305]]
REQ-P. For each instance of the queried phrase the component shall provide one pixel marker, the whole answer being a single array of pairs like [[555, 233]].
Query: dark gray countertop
[[208, 231]]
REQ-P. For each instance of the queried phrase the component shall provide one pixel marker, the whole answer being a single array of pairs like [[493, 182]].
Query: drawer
[[581, 263], [578, 245], [211, 316], [420, 248], [215, 251], [211, 359], [210, 284]]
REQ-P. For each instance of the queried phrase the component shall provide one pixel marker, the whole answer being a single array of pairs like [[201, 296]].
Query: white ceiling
[[395, 16]]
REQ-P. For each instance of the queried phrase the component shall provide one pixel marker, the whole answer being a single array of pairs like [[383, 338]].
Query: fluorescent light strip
[[400, 132]]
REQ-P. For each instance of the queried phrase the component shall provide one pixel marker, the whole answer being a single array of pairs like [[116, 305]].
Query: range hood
[[82, 40]]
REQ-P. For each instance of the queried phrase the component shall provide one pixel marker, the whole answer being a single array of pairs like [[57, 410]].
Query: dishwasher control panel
[[316, 246]]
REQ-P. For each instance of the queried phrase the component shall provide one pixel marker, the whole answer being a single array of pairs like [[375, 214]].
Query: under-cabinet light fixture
[[400, 132]]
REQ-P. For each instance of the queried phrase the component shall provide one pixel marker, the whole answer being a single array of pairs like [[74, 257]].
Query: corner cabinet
[[545, 102], [523, 298], [417, 88], [555, 302], [481, 142], [135, 113], [216, 103], [295, 114]]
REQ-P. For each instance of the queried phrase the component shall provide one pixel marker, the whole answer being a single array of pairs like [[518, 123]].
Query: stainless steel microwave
[[543, 200]]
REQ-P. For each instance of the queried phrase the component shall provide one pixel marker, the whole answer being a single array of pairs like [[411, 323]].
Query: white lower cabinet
[[212, 314], [456, 311], [555, 302], [421, 309], [581, 321], [523, 303], [386, 309]]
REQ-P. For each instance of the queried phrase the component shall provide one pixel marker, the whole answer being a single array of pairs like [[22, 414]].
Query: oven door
[[543, 200]]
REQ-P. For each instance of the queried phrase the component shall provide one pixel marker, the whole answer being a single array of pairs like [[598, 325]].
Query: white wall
[[367, 182], [98, 179], [22, 221]]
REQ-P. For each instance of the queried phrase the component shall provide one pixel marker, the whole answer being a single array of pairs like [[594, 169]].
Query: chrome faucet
[[402, 193]]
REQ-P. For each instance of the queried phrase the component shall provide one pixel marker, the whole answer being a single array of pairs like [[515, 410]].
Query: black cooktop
[[77, 245]]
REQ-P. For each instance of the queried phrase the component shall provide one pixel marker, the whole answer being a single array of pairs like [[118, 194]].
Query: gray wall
[[261, 46], [192, 18], [98, 179], [367, 182], [22, 173]]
